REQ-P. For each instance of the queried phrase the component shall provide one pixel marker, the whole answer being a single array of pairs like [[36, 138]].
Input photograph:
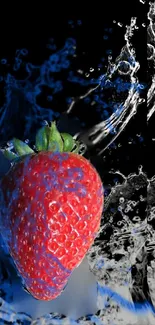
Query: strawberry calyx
[[48, 138]]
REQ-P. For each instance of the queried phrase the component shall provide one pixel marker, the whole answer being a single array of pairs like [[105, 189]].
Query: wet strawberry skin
[[52, 208]]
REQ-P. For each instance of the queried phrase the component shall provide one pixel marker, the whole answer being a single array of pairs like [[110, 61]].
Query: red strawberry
[[52, 207]]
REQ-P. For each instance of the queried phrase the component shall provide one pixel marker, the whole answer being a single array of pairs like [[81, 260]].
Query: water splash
[[151, 60], [121, 79], [119, 256]]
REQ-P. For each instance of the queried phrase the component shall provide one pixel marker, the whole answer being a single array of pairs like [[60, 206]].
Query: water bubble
[[80, 71], [10, 144], [44, 122], [150, 218], [124, 67], [140, 169], [136, 218], [3, 61], [17, 64], [121, 199], [109, 57], [24, 52]]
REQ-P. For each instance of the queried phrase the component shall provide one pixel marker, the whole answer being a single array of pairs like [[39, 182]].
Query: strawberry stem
[[55, 142]]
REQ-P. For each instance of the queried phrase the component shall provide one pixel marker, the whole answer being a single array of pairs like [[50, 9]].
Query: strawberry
[[51, 207]]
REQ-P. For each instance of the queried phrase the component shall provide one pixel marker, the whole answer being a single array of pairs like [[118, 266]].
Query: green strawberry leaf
[[9, 154], [68, 142], [21, 147], [41, 142], [55, 142]]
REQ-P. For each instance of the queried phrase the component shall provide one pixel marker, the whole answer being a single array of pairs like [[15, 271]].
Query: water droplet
[[124, 67], [150, 51], [3, 61], [121, 200]]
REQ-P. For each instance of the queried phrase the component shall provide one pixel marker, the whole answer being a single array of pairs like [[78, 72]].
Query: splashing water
[[121, 76], [151, 60], [121, 257]]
